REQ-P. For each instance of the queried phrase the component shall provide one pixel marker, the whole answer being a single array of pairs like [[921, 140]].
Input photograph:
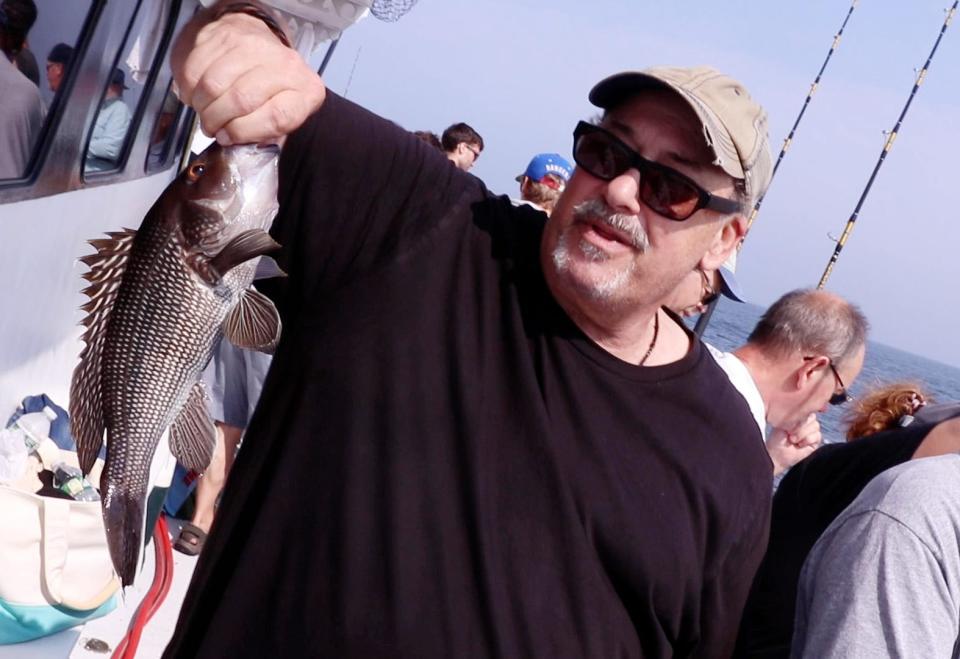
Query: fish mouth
[[255, 167], [251, 159], [261, 155]]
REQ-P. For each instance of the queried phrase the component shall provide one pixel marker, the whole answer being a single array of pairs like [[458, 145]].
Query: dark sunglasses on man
[[838, 397], [666, 191]]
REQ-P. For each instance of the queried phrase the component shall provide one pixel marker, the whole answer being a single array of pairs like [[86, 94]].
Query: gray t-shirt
[[21, 118], [884, 578]]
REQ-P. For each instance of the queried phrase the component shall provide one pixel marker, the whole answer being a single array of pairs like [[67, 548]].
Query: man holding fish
[[482, 434]]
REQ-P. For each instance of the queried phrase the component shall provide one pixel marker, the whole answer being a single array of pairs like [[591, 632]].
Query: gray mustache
[[627, 224]]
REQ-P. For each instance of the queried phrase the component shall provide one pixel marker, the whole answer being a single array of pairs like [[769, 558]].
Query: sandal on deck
[[191, 539]]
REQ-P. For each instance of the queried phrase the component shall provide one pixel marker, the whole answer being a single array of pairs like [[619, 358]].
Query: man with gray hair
[[513, 450], [804, 352]]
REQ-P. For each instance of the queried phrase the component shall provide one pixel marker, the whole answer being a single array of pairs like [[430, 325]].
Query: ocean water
[[732, 323]]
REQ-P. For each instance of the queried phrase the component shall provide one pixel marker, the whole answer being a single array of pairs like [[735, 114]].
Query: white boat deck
[[111, 628]]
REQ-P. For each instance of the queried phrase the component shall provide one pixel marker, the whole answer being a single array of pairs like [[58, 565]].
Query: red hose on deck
[[162, 578]]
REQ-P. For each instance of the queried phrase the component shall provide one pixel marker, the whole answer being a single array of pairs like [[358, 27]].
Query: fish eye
[[196, 170]]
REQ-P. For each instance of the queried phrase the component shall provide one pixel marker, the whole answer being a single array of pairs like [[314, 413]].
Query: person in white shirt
[[804, 352], [110, 129]]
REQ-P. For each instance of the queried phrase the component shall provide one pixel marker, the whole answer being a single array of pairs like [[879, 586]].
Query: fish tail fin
[[123, 513]]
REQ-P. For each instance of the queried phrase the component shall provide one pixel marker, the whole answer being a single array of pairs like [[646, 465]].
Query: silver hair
[[628, 224], [812, 321]]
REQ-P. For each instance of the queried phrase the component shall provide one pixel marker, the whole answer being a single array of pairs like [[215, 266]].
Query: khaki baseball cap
[[734, 125]]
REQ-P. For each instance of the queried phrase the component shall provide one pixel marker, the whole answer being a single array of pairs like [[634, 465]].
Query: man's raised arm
[[244, 83]]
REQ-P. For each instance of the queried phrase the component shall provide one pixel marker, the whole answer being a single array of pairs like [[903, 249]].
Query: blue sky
[[519, 73]]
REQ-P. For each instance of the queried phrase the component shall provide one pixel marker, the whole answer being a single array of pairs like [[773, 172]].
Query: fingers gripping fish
[[161, 298]]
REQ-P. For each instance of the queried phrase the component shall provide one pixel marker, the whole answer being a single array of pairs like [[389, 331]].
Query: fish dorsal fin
[[104, 275], [253, 323], [193, 435], [245, 246]]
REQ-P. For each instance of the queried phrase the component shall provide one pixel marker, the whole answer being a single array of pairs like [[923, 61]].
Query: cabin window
[[102, 86], [39, 38], [164, 133], [121, 102]]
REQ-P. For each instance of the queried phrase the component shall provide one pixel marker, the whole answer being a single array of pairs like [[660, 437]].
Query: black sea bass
[[160, 299]]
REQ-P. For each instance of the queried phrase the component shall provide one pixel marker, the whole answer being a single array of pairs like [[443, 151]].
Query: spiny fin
[[245, 246], [192, 434], [86, 406], [254, 323]]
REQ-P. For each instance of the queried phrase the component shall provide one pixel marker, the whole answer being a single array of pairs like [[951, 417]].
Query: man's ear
[[808, 369], [727, 239]]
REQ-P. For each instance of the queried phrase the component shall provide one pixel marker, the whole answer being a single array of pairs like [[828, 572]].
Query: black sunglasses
[[666, 191], [840, 397]]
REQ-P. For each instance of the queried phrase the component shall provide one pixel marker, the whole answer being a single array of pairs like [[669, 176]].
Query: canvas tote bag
[[55, 567]]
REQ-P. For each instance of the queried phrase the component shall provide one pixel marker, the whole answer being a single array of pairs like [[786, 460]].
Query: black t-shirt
[[443, 465], [809, 498]]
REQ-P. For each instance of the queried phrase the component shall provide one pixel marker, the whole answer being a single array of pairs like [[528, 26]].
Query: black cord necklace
[[656, 331]]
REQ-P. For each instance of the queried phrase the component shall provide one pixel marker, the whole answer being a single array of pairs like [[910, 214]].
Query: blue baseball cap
[[547, 163], [729, 286]]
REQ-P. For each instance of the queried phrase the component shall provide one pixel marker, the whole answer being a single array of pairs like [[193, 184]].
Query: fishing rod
[[327, 55], [886, 149], [813, 89], [704, 318], [353, 68]]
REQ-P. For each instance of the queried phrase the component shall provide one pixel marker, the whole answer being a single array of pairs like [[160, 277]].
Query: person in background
[[26, 62], [21, 108], [896, 406], [58, 63], [887, 427], [807, 348], [884, 578], [543, 181], [751, 367], [20, 17], [160, 142], [233, 380], [470, 401], [430, 138], [462, 145], [701, 287], [24, 14], [110, 128]]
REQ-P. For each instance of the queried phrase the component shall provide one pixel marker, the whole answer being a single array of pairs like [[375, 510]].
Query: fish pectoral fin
[[267, 268], [254, 323], [193, 435], [245, 246]]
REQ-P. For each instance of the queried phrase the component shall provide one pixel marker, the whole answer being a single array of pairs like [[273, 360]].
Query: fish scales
[[155, 321], [162, 332]]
